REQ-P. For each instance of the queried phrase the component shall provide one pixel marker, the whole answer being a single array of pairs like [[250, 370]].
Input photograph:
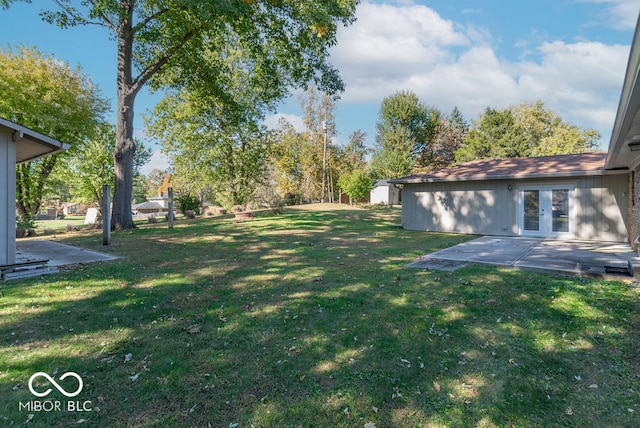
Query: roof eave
[[571, 174], [47, 144], [624, 128]]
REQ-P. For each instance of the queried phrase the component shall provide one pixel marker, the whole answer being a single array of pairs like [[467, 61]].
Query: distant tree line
[[221, 153]]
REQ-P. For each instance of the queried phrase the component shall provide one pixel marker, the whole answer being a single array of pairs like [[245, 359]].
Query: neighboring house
[[148, 207], [70, 208], [17, 145], [592, 196], [162, 200], [384, 193]]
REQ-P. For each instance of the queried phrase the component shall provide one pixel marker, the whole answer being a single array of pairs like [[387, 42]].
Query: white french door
[[546, 211]]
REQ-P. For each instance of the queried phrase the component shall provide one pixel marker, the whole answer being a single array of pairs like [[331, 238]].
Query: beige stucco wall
[[490, 207]]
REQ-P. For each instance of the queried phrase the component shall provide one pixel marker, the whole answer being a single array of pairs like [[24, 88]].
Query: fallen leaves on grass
[[194, 329]]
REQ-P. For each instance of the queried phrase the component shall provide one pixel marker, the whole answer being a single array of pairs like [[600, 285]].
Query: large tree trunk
[[121, 217]]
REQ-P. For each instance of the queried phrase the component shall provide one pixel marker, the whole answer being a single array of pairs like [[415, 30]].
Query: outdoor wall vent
[[634, 146]]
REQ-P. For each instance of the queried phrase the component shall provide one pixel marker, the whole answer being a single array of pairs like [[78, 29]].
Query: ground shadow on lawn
[[308, 320]]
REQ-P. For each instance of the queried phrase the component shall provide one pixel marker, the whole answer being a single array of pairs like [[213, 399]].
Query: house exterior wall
[[489, 207], [633, 208], [476, 207], [7, 199], [601, 208]]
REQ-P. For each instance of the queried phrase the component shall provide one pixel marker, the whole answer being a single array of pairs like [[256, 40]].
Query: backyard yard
[[311, 318]]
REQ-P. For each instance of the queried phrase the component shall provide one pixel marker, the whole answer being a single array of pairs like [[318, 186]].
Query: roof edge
[[29, 134], [571, 174], [628, 104]]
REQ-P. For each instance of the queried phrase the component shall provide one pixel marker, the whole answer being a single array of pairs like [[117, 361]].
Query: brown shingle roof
[[534, 167]]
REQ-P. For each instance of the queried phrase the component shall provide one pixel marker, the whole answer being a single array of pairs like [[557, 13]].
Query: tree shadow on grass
[[283, 323]]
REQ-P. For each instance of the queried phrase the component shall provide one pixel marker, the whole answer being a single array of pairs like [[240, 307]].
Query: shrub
[[277, 205], [292, 199], [188, 203], [356, 184]]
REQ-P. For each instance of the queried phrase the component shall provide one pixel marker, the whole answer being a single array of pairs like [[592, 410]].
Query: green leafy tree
[[212, 148], [154, 182], [318, 164], [356, 184], [90, 166], [450, 136], [45, 94], [354, 154], [406, 129], [287, 160], [164, 42], [525, 130]]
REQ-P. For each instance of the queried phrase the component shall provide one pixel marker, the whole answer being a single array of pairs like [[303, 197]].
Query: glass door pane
[[560, 207], [531, 210]]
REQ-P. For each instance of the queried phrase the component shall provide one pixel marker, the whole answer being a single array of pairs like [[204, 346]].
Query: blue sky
[[473, 54]]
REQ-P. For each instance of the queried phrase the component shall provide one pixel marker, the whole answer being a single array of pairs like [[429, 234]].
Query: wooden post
[[170, 215], [106, 215]]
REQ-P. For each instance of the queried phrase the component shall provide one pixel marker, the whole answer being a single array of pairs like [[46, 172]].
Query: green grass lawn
[[311, 319], [59, 225]]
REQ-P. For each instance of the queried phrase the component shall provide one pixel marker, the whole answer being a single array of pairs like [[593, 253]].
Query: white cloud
[[158, 161], [623, 14], [388, 44], [273, 120], [392, 48]]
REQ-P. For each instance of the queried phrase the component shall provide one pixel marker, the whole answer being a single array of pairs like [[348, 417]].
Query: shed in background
[[384, 193]]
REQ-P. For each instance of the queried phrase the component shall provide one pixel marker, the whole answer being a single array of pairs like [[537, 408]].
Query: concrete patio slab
[[57, 253], [584, 258], [38, 257]]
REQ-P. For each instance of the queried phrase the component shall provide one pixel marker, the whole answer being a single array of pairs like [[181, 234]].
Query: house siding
[[477, 207], [633, 208], [601, 207], [7, 199], [488, 207]]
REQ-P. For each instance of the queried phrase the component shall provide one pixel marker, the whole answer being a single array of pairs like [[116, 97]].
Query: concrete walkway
[[584, 258], [41, 257]]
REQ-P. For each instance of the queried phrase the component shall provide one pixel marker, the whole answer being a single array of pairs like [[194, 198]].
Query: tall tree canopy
[[319, 160], [525, 130], [406, 128], [450, 135], [45, 94], [172, 42], [210, 149]]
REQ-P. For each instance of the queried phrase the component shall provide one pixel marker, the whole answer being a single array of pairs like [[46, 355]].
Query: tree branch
[[148, 19], [109, 23], [152, 69]]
